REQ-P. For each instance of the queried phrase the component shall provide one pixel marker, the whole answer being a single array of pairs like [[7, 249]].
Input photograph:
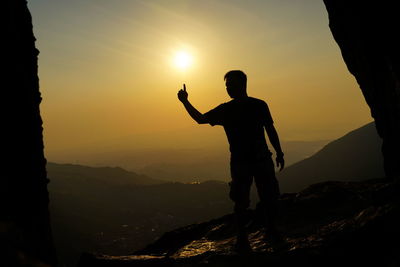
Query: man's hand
[[280, 161], [182, 94], [193, 112]]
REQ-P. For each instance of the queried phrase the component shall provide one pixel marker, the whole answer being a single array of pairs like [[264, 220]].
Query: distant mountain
[[102, 175], [353, 157]]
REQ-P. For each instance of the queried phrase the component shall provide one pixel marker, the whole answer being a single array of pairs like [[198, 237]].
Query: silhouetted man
[[244, 119]]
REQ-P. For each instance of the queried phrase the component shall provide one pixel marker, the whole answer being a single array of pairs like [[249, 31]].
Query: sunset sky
[[109, 80]]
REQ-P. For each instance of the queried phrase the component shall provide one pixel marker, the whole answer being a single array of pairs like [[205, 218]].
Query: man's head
[[236, 83]]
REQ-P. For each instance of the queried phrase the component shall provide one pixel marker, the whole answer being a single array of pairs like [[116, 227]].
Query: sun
[[182, 60]]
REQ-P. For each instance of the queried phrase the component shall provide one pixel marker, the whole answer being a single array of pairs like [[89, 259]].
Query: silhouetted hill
[[353, 157], [97, 175], [328, 224]]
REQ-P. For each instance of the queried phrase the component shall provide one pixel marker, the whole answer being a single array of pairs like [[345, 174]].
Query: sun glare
[[182, 60]]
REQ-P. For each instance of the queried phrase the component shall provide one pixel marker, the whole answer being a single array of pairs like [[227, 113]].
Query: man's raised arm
[[193, 112]]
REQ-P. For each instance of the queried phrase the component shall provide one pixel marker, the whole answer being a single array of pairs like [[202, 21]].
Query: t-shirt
[[243, 121]]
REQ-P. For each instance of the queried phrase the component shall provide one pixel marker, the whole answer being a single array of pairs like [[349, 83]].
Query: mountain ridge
[[353, 157], [100, 174]]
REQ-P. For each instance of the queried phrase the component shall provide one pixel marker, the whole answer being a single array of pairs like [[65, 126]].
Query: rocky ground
[[327, 224]]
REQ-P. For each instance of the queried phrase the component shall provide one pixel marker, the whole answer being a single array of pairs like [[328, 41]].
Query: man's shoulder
[[257, 101], [219, 108], [249, 101]]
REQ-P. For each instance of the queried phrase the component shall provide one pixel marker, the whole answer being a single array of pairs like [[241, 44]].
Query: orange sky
[[107, 80]]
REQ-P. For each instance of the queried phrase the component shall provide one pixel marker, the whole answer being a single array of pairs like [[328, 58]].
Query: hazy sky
[[107, 77]]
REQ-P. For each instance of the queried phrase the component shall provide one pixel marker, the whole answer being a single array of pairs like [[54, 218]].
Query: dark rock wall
[[367, 34], [25, 234]]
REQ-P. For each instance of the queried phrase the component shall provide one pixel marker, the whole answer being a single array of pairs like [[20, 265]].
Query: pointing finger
[[184, 87]]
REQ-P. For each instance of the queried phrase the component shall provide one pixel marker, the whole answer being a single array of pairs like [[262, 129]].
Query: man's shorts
[[263, 172]]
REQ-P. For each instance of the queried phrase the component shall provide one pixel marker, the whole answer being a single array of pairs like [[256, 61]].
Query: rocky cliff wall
[[25, 235], [367, 34]]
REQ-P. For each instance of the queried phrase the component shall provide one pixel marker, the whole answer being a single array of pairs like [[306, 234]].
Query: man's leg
[[240, 194], [268, 192]]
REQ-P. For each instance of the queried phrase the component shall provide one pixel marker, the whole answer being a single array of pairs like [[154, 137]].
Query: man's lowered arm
[[193, 112], [274, 139]]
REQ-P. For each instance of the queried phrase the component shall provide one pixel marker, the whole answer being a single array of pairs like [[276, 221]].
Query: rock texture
[[328, 224], [25, 235], [367, 34]]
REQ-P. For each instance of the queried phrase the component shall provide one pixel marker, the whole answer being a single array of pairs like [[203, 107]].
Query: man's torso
[[243, 121]]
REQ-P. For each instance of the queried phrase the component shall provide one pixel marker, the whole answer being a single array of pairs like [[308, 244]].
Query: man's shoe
[[275, 239], [242, 245]]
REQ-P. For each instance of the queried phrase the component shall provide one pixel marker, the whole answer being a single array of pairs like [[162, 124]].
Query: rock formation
[[25, 235], [366, 32]]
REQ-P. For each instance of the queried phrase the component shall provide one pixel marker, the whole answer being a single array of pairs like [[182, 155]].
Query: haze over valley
[[184, 165]]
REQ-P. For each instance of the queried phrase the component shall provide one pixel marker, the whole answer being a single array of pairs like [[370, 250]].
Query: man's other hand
[[280, 161], [182, 94]]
